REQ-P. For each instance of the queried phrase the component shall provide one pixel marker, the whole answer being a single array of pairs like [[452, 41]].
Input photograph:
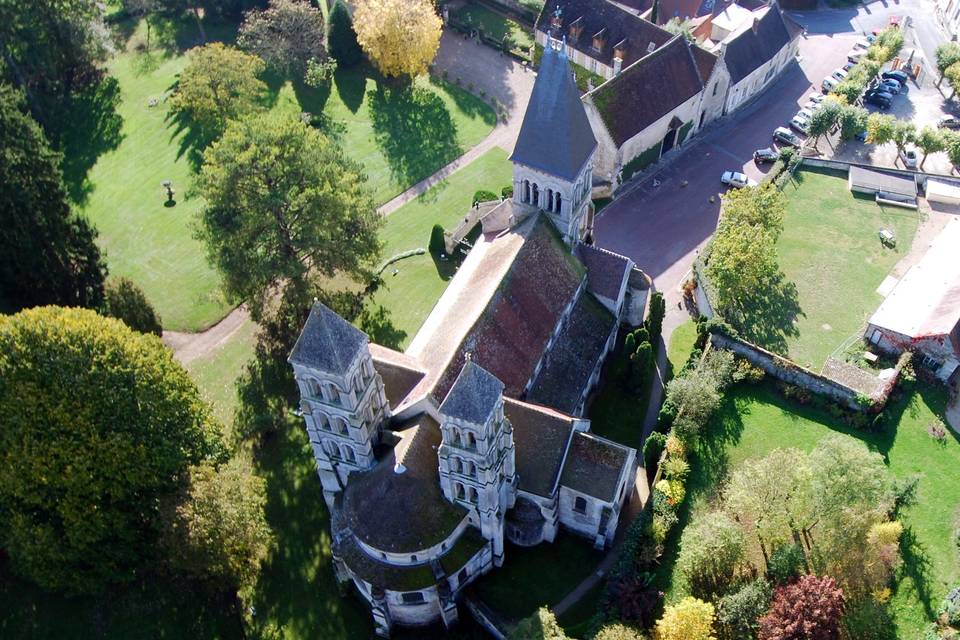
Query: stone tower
[[553, 157], [341, 397], [477, 464]]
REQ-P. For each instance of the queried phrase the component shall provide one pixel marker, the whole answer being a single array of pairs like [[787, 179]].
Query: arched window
[[323, 421], [348, 453], [457, 440], [549, 199], [458, 489], [313, 387], [331, 449], [462, 576], [471, 440], [413, 558], [525, 193], [342, 426], [556, 203], [536, 196], [468, 468], [455, 465], [473, 495], [580, 504]]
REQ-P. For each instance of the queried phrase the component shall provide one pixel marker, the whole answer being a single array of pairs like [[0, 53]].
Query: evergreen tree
[[126, 301], [341, 37], [47, 255]]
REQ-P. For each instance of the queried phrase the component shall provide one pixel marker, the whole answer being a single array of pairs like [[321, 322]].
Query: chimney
[[756, 25], [599, 40], [576, 28], [620, 50]]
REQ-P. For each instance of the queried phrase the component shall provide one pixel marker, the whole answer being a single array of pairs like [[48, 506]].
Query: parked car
[[810, 106], [765, 155], [894, 21], [854, 55], [891, 86], [839, 75], [806, 114], [871, 38], [800, 123], [863, 43], [787, 137], [909, 158], [737, 179], [949, 122], [829, 84], [817, 97], [879, 99], [895, 74]]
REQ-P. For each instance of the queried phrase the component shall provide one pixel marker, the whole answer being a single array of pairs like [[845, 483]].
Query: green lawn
[[616, 412], [216, 373], [409, 296], [496, 26], [399, 136], [831, 253], [537, 576], [755, 420], [681, 344]]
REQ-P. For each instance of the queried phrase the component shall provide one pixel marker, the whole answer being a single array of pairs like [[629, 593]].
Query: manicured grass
[[216, 373], [578, 619], [831, 252], [537, 576], [681, 344], [755, 420], [411, 294], [401, 136], [496, 26]]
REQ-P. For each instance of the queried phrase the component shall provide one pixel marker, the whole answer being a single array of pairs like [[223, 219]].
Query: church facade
[[432, 459]]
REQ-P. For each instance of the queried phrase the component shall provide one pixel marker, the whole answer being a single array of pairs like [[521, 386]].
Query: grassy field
[[831, 252], [755, 420], [399, 136], [496, 26], [537, 576], [681, 344], [216, 372]]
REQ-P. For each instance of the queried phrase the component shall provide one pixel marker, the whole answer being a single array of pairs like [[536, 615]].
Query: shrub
[[653, 448], [629, 345], [484, 196], [746, 372], [689, 619], [618, 631], [868, 620], [739, 612], [654, 322], [675, 447], [640, 363], [506, 192], [125, 301], [437, 242], [711, 554], [676, 468], [640, 334], [811, 603], [635, 599], [662, 524], [785, 564]]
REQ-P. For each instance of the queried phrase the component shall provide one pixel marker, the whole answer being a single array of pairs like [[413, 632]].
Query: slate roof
[[564, 377], [400, 373], [555, 136], [606, 270], [705, 60], [511, 334], [686, 9], [594, 466], [327, 342], [648, 90], [474, 396], [756, 44], [540, 437], [621, 27], [402, 512]]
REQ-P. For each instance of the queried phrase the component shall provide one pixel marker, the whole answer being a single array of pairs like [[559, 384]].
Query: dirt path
[[187, 347]]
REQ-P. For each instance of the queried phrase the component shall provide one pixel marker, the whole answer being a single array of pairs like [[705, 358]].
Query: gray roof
[[327, 342], [606, 270], [757, 44], [555, 136], [474, 396], [594, 465], [883, 181], [540, 436]]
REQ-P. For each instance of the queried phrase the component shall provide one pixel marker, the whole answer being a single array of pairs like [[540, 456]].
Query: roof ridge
[[602, 250], [649, 55]]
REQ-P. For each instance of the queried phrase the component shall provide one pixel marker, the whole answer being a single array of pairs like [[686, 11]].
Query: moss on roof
[[382, 574], [467, 546]]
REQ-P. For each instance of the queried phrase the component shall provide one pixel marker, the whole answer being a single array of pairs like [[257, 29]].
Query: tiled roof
[[648, 90], [511, 334], [574, 356], [474, 396], [402, 512], [686, 9], [606, 270], [756, 44], [555, 136], [593, 16], [400, 372], [594, 466], [327, 342], [705, 60], [540, 436]]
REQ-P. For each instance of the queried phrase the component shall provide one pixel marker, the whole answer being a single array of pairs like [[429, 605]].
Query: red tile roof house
[[433, 458]]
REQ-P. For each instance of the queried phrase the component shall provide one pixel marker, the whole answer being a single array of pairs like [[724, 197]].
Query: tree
[[952, 74], [904, 132], [401, 38], [344, 47], [219, 530], [689, 619], [654, 321], [880, 128], [47, 255], [125, 301], [283, 204], [952, 146], [540, 625], [640, 362], [100, 426], [930, 140], [763, 206], [711, 555], [286, 35], [809, 609], [853, 121], [743, 259], [948, 54], [618, 631], [218, 84], [823, 119], [738, 613], [142, 9]]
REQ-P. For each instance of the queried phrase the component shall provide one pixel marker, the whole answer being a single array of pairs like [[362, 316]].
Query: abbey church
[[433, 459]]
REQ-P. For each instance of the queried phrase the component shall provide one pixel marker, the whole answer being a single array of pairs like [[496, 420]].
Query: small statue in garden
[[168, 185]]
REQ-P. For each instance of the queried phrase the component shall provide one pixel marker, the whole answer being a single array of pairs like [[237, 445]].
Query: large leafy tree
[[689, 619], [283, 203], [904, 132], [100, 426], [823, 119], [125, 301], [711, 555], [948, 54], [930, 140], [809, 609], [342, 38], [47, 255], [540, 625], [853, 120], [401, 37], [218, 84], [286, 35], [880, 128]]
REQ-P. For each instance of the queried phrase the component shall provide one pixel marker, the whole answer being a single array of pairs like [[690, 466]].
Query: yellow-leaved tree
[[689, 619], [400, 36]]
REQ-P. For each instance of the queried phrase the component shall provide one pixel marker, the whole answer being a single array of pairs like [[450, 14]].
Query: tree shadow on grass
[[916, 568], [466, 102], [351, 85], [767, 315], [414, 131], [193, 139], [375, 322]]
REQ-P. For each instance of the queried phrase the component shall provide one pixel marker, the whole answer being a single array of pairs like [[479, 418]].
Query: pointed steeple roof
[[555, 136], [474, 396], [327, 342]]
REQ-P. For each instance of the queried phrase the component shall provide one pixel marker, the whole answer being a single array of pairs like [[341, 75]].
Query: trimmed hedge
[[640, 162]]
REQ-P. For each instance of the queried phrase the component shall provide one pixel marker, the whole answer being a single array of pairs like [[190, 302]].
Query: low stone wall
[[840, 165], [486, 618], [790, 372]]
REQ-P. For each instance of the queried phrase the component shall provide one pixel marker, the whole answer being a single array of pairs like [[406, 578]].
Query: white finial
[[468, 356]]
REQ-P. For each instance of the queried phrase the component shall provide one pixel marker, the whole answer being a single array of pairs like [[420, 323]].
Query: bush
[[654, 322], [342, 38], [640, 363], [437, 242], [506, 192], [785, 564], [126, 302], [739, 612], [635, 599], [653, 448], [869, 620], [484, 196]]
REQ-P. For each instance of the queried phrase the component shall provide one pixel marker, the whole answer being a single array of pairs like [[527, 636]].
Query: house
[[653, 106], [922, 312], [431, 459]]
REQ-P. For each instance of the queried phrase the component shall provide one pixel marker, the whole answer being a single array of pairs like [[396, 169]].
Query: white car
[[805, 113], [811, 106], [737, 179], [800, 123], [839, 75], [861, 44], [855, 54], [909, 158], [828, 84]]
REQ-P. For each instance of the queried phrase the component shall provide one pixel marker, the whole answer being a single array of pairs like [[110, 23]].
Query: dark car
[[862, 136], [897, 75], [948, 122], [879, 99], [765, 155]]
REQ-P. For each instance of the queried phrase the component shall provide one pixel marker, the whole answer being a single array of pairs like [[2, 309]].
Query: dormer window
[[599, 40], [576, 28]]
